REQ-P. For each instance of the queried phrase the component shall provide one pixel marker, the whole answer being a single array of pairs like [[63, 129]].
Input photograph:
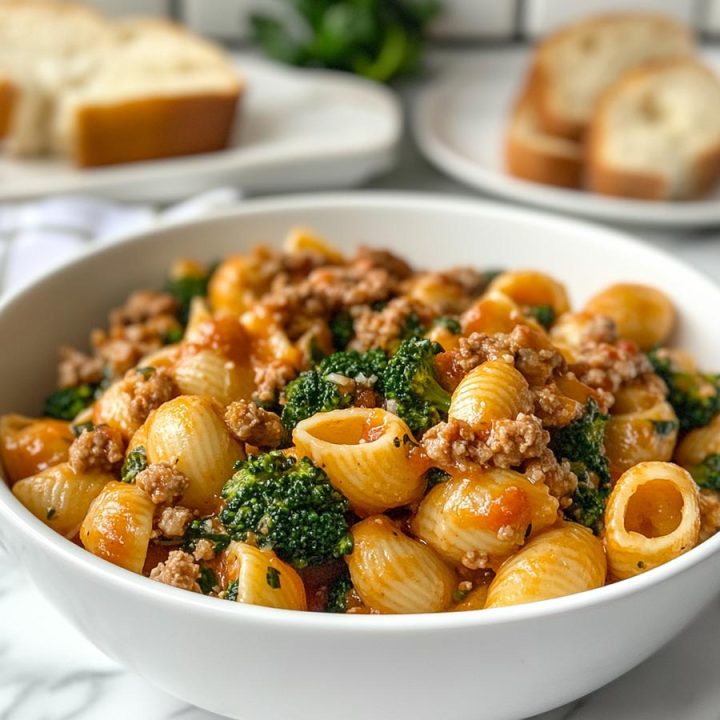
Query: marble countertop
[[49, 671]]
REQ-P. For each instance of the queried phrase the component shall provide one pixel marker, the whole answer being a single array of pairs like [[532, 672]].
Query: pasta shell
[[651, 517], [559, 562], [393, 573], [189, 433], [483, 518], [118, 526], [60, 497], [369, 455]]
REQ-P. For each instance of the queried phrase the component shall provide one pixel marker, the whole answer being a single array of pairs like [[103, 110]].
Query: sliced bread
[[532, 154], [161, 92], [44, 45], [656, 133], [101, 92], [573, 66]]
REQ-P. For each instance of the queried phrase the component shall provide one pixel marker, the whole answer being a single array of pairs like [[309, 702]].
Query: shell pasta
[[303, 428]]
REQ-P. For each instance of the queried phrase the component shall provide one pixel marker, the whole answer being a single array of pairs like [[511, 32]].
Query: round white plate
[[459, 122], [297, 130]]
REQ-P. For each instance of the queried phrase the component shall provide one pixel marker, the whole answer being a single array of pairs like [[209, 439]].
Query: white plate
[[298, 129], [459, 122]]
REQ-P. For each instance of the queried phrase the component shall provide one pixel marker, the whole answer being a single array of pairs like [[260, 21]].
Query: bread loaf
[[656, 133], [532, 154], [76, 84], [573, 66]]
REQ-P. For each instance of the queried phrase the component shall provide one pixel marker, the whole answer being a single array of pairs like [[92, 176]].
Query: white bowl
[[252, 662]]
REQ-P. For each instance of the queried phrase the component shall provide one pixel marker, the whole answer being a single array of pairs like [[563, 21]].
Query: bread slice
[[162, 92], [7, 98], [573, 66], [44, 45], [99, 92], [656, 133], [532, 154]]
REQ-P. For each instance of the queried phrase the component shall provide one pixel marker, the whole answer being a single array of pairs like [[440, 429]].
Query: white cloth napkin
[[37, 236]]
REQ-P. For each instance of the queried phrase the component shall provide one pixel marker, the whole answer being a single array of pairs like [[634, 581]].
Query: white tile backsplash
[[133, 7], [543, 16], [473, 19], [460, 18], [710, 17], [225, 19]]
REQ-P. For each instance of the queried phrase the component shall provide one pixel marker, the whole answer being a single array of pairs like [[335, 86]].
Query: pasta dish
[[303, 430]]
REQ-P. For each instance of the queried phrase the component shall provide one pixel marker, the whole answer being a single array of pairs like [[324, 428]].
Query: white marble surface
[[48, 671]]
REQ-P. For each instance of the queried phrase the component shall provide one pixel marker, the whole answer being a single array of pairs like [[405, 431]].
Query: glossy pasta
[[652, 516], [302, 428]]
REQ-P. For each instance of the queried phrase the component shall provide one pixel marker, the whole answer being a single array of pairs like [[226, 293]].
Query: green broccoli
[[67, 403], [207, 580], [205, 530], [449, 323], [707, 473], [411, 385], [184, 288], [544, 314], [695, 396], [412, 327], [318, 390], [287, 505], [135, 462], [338, 591], [588, 500], [342, 330], [582, 443]]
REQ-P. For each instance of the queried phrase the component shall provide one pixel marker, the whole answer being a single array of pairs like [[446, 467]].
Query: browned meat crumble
[[100, 449], [162, 483], [251, 424], [179, 570]]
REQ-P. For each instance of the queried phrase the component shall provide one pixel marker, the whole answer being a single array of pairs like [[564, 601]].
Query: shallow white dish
[[296, 130], [251, 662], [459, 123]]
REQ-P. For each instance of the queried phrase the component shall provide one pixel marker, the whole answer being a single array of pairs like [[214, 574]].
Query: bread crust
[[606, 180], [552, 122], [153, 128], [531, 162], [7, 98]]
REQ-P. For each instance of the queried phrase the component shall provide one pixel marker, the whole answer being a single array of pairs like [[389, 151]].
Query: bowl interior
[[429, 232]]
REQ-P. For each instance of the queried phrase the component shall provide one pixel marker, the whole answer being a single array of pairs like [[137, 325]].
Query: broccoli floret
[[207, 580], [582, 443], [135, 462], [319, 390], [694, 396], [544, 314], [342, 330], [449, 323], [338, 591], [287, 505], [205, 530], [68, 403], [707, 473], [184, 288], [412, 327], [412, 387], [588, 500]]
